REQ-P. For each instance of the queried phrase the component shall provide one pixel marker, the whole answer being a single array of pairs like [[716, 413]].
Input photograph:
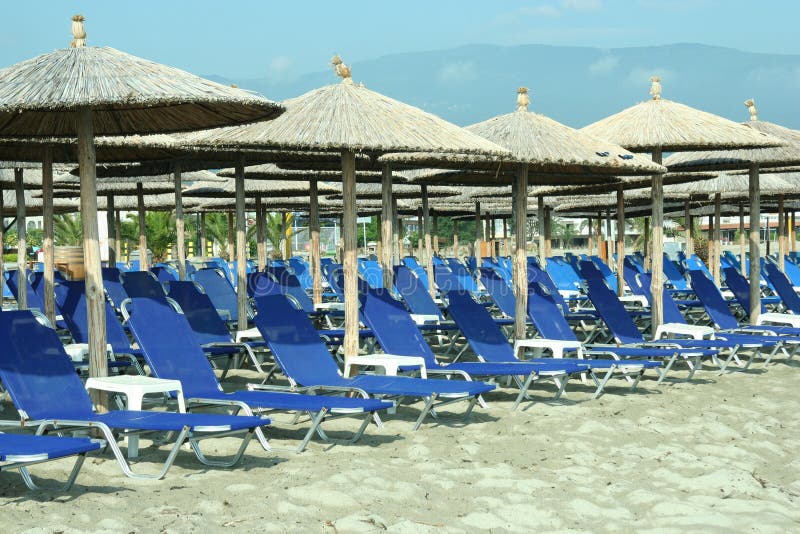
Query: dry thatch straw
[[741, 159], [33, 205], [31, 176], [294, 204], [736, 187], [269, 189], [153, 202], [672, 127], [627, 183], [400, 191], [270, 171], [67, 185]]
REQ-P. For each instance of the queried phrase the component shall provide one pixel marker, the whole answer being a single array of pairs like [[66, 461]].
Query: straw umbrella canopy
[[271, 171], [90, 90], [660, 125], [344, 118], [254, 188], [400, 191]]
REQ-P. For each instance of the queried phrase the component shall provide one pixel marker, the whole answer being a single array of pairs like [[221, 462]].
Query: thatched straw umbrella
[[87, 91], [541, 145], [345, 118], [659, 125]]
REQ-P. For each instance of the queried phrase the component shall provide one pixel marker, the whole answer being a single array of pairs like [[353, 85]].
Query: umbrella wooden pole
[[548, 232], [2, 241], [647, 243], [180, 227], [378, 242], [541, 216], [47, 231], [506, 241], [387, 222], [781, 235], [687, 223], [118, 232], [435, 234], [241, 247], [717, 241], [610, 240], [420, 231], [397, 234], [590, 238], [313, 224], [287, 235], [476, 250], [143, 263], [488, 232], [657, 256], [599, 230], [113, 246], [742, 255], [767, 233], [426, 220], [230, 236], [755, 253], [95, 296], [22, 242], [710, 245], [203, 241], [620, 240], [349, 263], [793, 233], [261, 245], [520, 202], [455, 239]]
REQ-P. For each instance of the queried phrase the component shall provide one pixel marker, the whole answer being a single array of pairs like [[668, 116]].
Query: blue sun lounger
[[784, 288], [41, 381], [490, 344], [141, 284], [164, 335], [412, 263], [740, 287], [220, 291], [19, 451], [397, 334], [306, 362]]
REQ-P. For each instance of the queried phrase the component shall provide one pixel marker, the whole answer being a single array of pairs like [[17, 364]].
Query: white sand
[[719, 454]]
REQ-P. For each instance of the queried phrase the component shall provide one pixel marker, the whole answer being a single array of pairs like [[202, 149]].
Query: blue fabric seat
[[19, 451], [141, 284]]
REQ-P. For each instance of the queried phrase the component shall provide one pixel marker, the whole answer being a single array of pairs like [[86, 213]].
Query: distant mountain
[[574, 85]]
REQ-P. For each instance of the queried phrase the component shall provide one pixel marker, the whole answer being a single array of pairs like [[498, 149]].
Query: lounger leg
[[780, 347], [523, 389], [355, 437], [602, 383], [639, 376], [425, 410], [26, 476], [694, 365], [221, 463], [666, 369]]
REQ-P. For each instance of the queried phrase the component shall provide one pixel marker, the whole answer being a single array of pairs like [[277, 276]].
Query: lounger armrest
[[635, 299], [390, 363], [311, 390], [750, 331], [694, 331], [556, 346], [421, 318], [225, 314], [779, 318], [250, 333]]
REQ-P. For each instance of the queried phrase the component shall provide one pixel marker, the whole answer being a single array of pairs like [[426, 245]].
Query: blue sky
[[283, 39]]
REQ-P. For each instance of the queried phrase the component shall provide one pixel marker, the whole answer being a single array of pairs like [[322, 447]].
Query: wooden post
[[548, 230], [476, 249], [203, 239], [143, 263], [47, 231], [717, 240], [609, 240], [590, 238], [767, 232], [95, 296], [287, 234], [793, 232], [506, 241], [397, 234], [22, 242], [387, 222], [541, 217], [620, 240], [657, 256], [113, 245], [781, 235], [349, 264], [241, 247], [420, 231], [755, 253], [601, 247], [710, 239], [231, 253], [2, 240], [261, 244], [180, 228], [455, 238], [742, 255], [687, 223], [426, 221], [118, 231], [313, 226], [435, 234], [487, 230], [520, 278]]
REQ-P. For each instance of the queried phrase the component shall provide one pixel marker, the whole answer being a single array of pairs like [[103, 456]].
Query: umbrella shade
[[271, 189], [270, 171], [124, 148], [373, 191], [31, 177], [627, 183]]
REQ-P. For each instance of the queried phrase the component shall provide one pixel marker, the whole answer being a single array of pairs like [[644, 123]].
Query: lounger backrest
[[36, 371], [168, 346], [537, 275], [629, 272], [671, 313], [163, 273], [612, 311], [393, 327], [446, 279], [545, 314], [792, 272], [199, 311], [141, 284], [219, 290], [475, 323], [563, 274], [71, 301], [34, 299], [498, 289], [372, 273], [464, 276], [673, 274], [113, 286], [412, 263], [783, 287], [714, 303], [294, 342], [417, 298], [290, 285], [302, 272], [260, 283], [740, 288], [335, 277]]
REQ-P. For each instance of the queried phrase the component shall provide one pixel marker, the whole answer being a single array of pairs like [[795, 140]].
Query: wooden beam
[[261, 243], [203, 239], [620, 240], [313, 225], [143, 263], [541, 217], [426, 221], [742, 255], [520, 277], [241, 247], [781, 235], [113, 244], [657, 258], [95, 295], [180, 227], [687, 223], [47, 234], [717, 240], [755, 249], [22, 242], [349, 264], [387, 223]]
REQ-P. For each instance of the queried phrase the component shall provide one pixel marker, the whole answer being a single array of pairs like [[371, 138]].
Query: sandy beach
[[718, 454]]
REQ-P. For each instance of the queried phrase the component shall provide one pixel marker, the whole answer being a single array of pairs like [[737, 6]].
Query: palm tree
[[159, 229], [67, 229]]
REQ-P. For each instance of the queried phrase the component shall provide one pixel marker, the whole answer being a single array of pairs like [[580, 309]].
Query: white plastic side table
[[135, 387]]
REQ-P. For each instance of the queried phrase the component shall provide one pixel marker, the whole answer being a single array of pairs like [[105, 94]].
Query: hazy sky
[[271, 38]]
